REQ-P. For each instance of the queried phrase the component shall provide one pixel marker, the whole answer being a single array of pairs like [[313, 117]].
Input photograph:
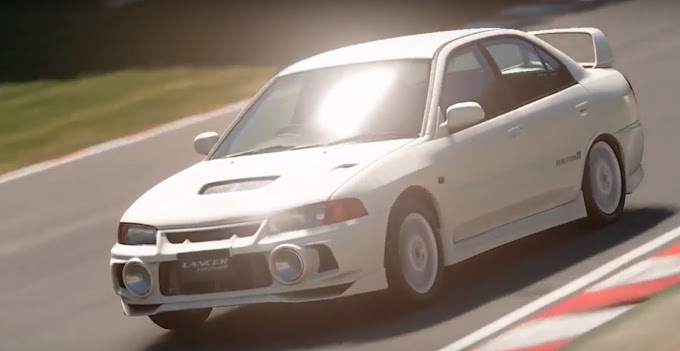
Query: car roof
[[416, 46]]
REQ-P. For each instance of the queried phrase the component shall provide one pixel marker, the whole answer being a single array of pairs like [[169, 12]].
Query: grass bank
[[48, 118]]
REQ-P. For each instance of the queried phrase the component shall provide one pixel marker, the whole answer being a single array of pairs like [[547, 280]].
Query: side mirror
[[204, 142], [463, 115]]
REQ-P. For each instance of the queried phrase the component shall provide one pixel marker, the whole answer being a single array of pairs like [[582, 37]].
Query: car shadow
[[487, 277]]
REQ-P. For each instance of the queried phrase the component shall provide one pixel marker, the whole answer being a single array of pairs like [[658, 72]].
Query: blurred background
[[62, 39], [75, 73]]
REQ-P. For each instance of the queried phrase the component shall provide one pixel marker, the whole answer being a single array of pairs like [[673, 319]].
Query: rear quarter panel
[[610, 108], [613, 110]]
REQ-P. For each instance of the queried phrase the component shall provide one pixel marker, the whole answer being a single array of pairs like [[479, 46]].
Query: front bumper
[[350, 261]]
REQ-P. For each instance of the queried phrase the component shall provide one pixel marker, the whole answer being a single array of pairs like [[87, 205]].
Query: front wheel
[[604, 184], [413, 257], [181, 320]]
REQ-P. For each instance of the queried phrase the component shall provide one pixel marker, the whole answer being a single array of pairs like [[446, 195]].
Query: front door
[[479, 162]]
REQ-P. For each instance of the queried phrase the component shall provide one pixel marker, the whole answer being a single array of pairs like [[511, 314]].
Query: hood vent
[[231, 186], [346, 165]]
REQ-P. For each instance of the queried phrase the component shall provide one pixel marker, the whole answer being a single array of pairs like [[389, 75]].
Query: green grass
[[45, 119]]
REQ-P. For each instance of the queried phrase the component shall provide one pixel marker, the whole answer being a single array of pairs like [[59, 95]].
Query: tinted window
[[514, 56], [561, 77], [465, 61], [528, 73], [469, 78], [550, 62]]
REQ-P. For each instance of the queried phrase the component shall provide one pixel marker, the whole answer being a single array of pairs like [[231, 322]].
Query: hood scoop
[[345, 165], [230, 186]]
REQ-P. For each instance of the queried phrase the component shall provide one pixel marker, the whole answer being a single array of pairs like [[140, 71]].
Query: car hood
[[251, 187]]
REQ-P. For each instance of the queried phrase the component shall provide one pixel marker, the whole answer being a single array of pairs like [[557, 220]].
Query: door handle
[[582, 108], [515, 131]]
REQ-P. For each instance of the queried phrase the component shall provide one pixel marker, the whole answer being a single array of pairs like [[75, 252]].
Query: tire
[[406, 250], [604, 184], [181, 320]]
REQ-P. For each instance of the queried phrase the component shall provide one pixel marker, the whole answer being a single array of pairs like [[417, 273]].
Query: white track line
[[647, 270], [562, 292], [123, 141], [553, 329]]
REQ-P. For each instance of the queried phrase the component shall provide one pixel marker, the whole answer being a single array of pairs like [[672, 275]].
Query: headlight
[[316, 215], [136, 234]]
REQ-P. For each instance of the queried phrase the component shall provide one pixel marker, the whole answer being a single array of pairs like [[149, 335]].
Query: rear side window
[[528, 72], [551, 64]]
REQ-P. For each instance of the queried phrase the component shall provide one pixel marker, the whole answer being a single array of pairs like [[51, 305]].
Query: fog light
[[290, 264], [286, 264], [137, 278]]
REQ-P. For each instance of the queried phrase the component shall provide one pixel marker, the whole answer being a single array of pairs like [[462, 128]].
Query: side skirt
[[476, 245]]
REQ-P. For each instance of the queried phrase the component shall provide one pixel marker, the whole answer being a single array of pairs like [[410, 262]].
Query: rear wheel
[[181, 320], [604, 184], [413, 258]]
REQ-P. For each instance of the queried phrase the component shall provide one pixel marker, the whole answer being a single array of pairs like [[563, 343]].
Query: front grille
[[196, 236], [246, 271]]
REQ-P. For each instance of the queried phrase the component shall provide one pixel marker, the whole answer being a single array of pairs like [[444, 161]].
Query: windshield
[[384, 100]]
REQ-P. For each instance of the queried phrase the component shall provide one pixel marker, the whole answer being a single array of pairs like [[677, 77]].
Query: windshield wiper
[[273, 148], [359, 137], [369, 137]]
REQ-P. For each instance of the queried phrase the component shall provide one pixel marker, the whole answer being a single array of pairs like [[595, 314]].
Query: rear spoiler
[[604, 57]]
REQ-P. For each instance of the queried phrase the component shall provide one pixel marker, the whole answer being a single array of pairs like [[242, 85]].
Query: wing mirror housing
[[204, 142], [463, 115]]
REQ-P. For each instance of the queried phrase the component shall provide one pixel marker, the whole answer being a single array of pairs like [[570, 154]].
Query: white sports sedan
[[376, 165]]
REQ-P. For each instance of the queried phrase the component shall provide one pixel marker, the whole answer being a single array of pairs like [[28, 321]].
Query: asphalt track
[[57, 228]]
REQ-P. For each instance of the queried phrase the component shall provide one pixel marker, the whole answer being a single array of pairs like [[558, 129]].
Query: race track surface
[[57, 228]]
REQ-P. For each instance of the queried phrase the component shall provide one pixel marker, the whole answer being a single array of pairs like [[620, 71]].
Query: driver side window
[[468, 77], [514, 56]]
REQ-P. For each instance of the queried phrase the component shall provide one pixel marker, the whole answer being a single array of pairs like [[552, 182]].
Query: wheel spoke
[[418, 253], [605, 177]]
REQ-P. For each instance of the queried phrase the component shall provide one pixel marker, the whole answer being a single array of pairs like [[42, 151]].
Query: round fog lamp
[[286, 265], [137, 278]]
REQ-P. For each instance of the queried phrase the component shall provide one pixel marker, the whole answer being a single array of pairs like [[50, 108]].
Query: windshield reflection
[[352, 99], [322, 106]]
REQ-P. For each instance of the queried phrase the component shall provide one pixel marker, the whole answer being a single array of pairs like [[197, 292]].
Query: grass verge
[[43, 119]]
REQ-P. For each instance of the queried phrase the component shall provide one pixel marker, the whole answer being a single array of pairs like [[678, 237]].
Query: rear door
[[548, 106]]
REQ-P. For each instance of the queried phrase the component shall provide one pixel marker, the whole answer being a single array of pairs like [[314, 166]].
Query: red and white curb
[[116, 143], [555, 327]]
